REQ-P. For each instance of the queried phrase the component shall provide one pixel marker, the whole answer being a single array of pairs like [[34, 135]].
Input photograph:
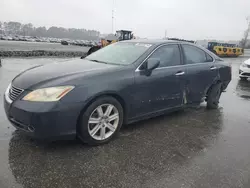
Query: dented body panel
[[199, 79], [161, 90]]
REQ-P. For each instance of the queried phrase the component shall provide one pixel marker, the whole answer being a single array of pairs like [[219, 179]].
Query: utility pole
[[113, 6], [244, 41], [165, 34]]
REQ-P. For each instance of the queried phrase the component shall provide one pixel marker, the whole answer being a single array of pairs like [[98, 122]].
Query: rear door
[[201, 72], [164, 88]]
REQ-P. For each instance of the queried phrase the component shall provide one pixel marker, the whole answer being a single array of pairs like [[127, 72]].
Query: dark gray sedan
[[122, 83]]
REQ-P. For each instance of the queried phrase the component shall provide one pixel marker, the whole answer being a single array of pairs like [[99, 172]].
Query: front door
[[164, 88]]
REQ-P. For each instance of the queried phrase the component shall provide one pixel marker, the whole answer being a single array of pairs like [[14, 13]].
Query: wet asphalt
[[194, 148]]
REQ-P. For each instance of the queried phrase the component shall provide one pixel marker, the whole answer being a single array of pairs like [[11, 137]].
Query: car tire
[[86, 128], [214, 95], [243, 78]]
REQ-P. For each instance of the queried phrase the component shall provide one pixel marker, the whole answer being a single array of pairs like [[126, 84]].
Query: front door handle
[[213, 68], [180, 73]]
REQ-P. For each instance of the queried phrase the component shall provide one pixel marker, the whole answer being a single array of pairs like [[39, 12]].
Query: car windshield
[[120, 53]]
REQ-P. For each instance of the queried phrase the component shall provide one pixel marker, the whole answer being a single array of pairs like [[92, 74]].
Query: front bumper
[[244, 72], [41, 120]]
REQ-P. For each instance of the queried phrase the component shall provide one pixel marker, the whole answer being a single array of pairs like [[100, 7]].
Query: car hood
[[247, 62], [58, 71]]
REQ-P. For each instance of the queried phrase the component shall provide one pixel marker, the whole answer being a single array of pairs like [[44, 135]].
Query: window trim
[[184, 56], [181, 58], [207, 55]]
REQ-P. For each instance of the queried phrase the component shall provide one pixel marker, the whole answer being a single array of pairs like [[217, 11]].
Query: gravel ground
[[30, 46], [196, 148]]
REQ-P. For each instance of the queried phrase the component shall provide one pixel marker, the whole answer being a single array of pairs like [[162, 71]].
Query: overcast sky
[[189, 19]]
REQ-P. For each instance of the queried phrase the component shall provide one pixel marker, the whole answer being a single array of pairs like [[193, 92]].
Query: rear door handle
[[180, 73], [213, 68]]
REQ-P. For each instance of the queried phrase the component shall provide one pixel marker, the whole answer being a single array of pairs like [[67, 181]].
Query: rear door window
[[209, 58], [195, 55]]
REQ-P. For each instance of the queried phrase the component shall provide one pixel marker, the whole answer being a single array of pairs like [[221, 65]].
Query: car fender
[[118, 96]]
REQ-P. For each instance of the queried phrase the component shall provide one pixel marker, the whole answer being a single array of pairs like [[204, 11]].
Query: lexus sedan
[[124, 82]]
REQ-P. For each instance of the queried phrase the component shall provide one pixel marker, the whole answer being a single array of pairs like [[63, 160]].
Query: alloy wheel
[[103, 122]]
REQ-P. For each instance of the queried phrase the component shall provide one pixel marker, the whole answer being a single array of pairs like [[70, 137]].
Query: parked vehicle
[[3, 37], [244, 71], [53, 40], [22, 38], [64, 42], [9, 37], [85, 43], [15, 38], [37, 39], [30, 39], [122, 83], [223, 49]]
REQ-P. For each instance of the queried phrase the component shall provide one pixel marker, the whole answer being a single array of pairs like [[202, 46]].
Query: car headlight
[[244, 64], [48, 94]]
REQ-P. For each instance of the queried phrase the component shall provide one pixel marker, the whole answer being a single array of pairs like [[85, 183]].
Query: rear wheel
[[214, 96], [101, 121]]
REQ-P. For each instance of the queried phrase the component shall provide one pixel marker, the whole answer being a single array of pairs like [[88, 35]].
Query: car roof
[[154, 41], [162, 41], [123, 31]]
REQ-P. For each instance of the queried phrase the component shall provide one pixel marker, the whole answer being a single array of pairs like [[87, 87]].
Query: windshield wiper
[[94, 60]]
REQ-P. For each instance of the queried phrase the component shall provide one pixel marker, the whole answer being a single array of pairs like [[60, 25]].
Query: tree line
[[16, 28]]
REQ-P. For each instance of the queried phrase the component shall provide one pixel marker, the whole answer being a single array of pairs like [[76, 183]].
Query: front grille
[[245, 74], [14, 92]]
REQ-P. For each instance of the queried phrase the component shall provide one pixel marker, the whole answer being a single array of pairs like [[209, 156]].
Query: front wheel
[[101, 121], [214, 96]]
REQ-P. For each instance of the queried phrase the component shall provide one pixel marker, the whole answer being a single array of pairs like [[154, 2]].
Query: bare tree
[[246, 33], [16, 28]]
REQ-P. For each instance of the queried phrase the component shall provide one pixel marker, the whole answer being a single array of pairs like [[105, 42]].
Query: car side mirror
[[152, 63]]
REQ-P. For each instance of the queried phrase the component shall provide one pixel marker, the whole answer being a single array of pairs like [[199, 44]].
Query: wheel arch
[[210, 87], [115, 95]]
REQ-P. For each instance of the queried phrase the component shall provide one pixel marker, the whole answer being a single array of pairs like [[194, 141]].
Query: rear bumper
[[45, 121]]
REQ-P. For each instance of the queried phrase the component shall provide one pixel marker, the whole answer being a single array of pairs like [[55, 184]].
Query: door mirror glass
[[153, 63]]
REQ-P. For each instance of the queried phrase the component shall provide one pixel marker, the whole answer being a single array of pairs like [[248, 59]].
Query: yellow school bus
[[225, 49]]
